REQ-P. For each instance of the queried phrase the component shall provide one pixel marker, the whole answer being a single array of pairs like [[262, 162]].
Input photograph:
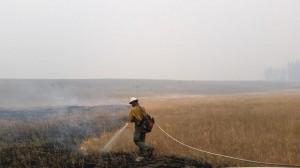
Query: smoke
[[63, 112], [55, 93], [67, 125], [51, 93]]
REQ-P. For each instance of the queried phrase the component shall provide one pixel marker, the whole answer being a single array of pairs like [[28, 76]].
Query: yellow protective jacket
[[136, 114]]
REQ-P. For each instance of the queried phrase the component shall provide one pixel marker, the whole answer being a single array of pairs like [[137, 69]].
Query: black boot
[[150, 151]]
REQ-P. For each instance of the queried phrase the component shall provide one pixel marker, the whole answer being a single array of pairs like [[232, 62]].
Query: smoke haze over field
[[150, 39], [97, 92]]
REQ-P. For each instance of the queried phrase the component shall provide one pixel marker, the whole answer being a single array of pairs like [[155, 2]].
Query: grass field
[[262, 127]]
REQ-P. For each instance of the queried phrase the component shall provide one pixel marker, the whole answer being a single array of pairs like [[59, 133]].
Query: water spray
[[112, 141]]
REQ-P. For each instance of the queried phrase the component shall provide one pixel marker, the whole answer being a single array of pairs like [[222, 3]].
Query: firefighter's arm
[[131, 116]]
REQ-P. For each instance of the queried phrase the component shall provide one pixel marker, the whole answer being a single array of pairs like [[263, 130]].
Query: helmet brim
[[133, 101]]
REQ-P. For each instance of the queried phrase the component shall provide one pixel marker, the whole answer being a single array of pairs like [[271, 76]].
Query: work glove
[[130, 126]]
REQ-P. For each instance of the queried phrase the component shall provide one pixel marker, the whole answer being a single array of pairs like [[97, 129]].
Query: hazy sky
[[148, 39]]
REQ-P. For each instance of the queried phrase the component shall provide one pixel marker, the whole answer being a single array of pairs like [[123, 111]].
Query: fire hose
[[221, 155]]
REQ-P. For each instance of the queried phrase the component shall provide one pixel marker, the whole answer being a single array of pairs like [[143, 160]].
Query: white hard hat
[[132, 100]]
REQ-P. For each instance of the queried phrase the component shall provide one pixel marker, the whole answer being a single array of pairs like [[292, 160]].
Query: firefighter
[[136, 115]]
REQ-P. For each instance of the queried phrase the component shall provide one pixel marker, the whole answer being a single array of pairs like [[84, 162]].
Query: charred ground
[[54, 155]]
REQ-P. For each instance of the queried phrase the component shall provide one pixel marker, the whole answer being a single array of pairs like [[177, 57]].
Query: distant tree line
[[290, 72]]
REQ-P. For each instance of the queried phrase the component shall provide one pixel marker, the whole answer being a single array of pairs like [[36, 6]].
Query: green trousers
[[139, 140]]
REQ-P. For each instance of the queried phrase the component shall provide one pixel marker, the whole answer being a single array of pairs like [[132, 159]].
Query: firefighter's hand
[[130, 126]]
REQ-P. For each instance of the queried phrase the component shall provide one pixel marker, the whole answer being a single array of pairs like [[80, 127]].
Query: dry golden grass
[[256, 127]]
